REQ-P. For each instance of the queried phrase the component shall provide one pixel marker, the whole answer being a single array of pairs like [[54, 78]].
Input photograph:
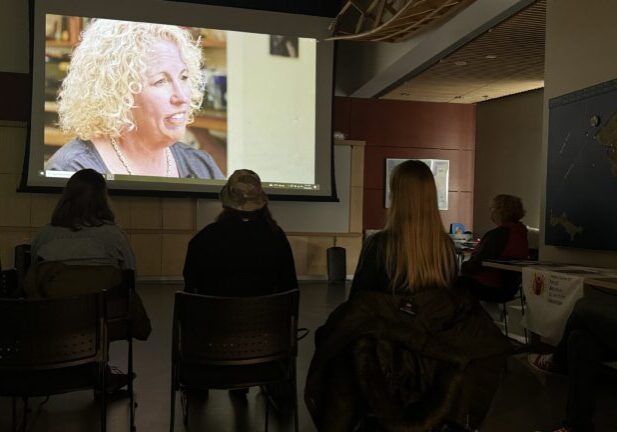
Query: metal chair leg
[[267, 412], [172, 410], [184, 402], [295, 397], [103, 402], [131, 389], [505, 318], [522, 298], [24, 421], [14, 418]]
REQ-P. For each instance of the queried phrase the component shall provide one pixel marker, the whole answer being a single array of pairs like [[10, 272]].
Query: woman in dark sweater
[[507, 241], [243, 253]]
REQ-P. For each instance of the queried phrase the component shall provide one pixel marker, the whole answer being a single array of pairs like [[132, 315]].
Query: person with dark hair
[[406, 351], [83, 229], [507, 241], [243, 253], [82, 250]]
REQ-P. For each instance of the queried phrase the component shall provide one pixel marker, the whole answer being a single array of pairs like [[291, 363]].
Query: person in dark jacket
[[405, 352], [507, 241], [244, 253], [588, 340]]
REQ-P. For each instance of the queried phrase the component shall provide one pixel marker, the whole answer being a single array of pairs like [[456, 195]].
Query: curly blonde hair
[[107, 70], [509, 208]]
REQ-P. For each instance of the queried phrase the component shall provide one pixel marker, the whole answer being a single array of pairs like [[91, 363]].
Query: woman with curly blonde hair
[[507, 241], [130, 91]]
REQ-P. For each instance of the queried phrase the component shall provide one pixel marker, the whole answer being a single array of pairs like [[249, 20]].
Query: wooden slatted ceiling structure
[[507, 59], [391, 20]]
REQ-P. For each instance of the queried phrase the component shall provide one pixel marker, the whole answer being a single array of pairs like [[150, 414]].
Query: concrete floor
[[524, 402]]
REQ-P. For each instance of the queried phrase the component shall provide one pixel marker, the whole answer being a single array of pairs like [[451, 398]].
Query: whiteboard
[[441, 173], [302, 216]]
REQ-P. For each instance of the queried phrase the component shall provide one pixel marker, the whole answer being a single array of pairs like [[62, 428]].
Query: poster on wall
[[581, 169], [441, 171]]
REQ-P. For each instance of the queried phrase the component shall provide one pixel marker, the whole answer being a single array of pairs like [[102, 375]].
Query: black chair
[[119, 325], [53, 346], [234, 342], [22, 260], [9, 286], [513, 282]]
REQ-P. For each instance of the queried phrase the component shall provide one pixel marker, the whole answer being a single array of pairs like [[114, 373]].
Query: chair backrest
[[235, 330], [119, 297], [119, 309], [48, 279], [23, 258], [52, 333], [9, 287]]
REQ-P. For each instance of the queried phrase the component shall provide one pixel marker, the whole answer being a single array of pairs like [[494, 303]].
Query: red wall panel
[[414, 130]]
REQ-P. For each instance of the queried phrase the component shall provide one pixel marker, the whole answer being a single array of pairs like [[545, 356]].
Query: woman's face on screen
[[162, 108]]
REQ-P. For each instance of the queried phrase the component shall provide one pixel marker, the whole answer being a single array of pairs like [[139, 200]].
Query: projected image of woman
[[130, 91]]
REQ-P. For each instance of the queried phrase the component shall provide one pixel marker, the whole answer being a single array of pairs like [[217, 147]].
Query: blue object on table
[[457, 228]]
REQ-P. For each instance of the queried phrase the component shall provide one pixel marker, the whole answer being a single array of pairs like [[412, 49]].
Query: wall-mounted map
[[581, 188]]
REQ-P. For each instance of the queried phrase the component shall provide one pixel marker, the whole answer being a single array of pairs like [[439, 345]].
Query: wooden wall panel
[[466, 171], [374, 212], [148, 249], [178, 213], [14, 207], [412, 124], [341, 116], [15, 89], [414, 130]]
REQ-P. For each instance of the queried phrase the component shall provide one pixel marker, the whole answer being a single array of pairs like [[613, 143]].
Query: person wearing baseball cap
[[244, 252]]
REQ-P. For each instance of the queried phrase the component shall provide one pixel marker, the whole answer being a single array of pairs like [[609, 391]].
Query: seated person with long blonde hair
[[406, 352]]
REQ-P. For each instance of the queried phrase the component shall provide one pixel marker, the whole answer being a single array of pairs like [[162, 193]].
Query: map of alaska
[[607, 136], [567, 225]]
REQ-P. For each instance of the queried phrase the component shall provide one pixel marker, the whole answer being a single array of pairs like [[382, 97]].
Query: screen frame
[[190, 15]]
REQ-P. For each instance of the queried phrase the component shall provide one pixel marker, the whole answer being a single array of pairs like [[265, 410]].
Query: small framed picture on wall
[[441, 172], [284, 46]]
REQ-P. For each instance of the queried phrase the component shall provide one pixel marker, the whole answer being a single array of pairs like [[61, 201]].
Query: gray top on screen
[[79, 154]]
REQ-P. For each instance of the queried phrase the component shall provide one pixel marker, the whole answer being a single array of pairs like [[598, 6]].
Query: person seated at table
[[507, 241], [244, 253], [589, 339], [82, 250], [406, 351]]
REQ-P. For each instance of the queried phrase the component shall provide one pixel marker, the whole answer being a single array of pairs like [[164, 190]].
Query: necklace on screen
[[125, 163]]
